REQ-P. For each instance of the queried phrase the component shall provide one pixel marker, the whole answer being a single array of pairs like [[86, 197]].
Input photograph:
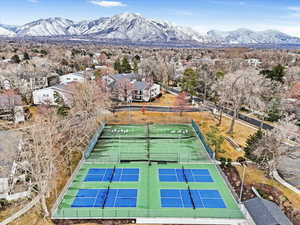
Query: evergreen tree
[[251, 144], [64, 62], [274, 113], [135, 67], [117, 66], [26, 56], [137, 58], [276, 74], [189, 58], [189, 81], [44, 52], [215, 139], [126, 68], [15, 59], [62, 108]]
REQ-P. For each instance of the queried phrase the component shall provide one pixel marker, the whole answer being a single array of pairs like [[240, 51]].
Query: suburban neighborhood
[[125, 119]]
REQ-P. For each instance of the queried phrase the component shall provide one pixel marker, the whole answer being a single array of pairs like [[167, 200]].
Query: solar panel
[[101, 198], [185, 175], [173, 198]]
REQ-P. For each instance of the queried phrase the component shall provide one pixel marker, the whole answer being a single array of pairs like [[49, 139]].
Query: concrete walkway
[[21, 212]]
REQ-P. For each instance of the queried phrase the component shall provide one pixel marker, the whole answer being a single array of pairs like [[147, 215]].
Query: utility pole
[[243, 180]]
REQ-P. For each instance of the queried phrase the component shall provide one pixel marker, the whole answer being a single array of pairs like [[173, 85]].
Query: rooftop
[[265, 212]]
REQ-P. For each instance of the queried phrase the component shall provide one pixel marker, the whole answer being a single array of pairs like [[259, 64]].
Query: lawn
[[165, 100]]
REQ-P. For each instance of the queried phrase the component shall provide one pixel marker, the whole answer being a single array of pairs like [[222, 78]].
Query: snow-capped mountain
[[135, 27], [12, 28], [87, 27], [5, 32], [245, 36], [45, 27]]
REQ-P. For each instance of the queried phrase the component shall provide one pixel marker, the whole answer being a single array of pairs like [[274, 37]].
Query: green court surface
[[175, 143], [148, 148]]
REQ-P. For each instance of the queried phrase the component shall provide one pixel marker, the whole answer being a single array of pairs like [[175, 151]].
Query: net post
[[105, 199], [185, 178], [190, 193], [112, 176]]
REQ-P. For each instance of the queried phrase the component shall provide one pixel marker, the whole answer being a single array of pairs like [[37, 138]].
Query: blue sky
[[202, 15]]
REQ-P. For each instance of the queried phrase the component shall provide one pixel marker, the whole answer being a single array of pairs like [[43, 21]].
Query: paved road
[[211, 106], [157, 109]]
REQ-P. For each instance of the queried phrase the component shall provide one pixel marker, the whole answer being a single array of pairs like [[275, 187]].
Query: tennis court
[[114, 175], [184, 175], [101, 198], [172, 198], [175, 143], [147, 171]]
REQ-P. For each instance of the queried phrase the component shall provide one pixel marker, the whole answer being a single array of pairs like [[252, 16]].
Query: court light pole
[[243, 180]]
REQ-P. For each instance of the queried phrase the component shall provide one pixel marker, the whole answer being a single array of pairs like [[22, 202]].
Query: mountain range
[[136, 28]]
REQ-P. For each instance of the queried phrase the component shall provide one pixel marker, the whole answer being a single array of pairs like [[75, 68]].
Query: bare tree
[[181, 102], [41, 155], [50, 143], [124, 90], [274, 144], [239, 88], [89, 97]]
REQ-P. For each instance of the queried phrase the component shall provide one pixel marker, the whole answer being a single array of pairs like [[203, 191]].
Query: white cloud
[[294, 8], [33, 1], [295, 11], [108, 3]]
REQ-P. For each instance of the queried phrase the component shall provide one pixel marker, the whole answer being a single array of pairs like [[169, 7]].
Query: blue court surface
[[89, 198], [172, 198], [177, 175], [117, 175]]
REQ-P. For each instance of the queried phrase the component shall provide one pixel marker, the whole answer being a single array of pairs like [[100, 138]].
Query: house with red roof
[[295, 91]]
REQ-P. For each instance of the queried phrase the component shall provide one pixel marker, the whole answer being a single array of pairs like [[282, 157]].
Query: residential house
[[11, 108], [295, 91], [48, 95], [72, 77], [139, 89], [253, 62], [6, 84], [32, 83], [27, 85], [264, 212]]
